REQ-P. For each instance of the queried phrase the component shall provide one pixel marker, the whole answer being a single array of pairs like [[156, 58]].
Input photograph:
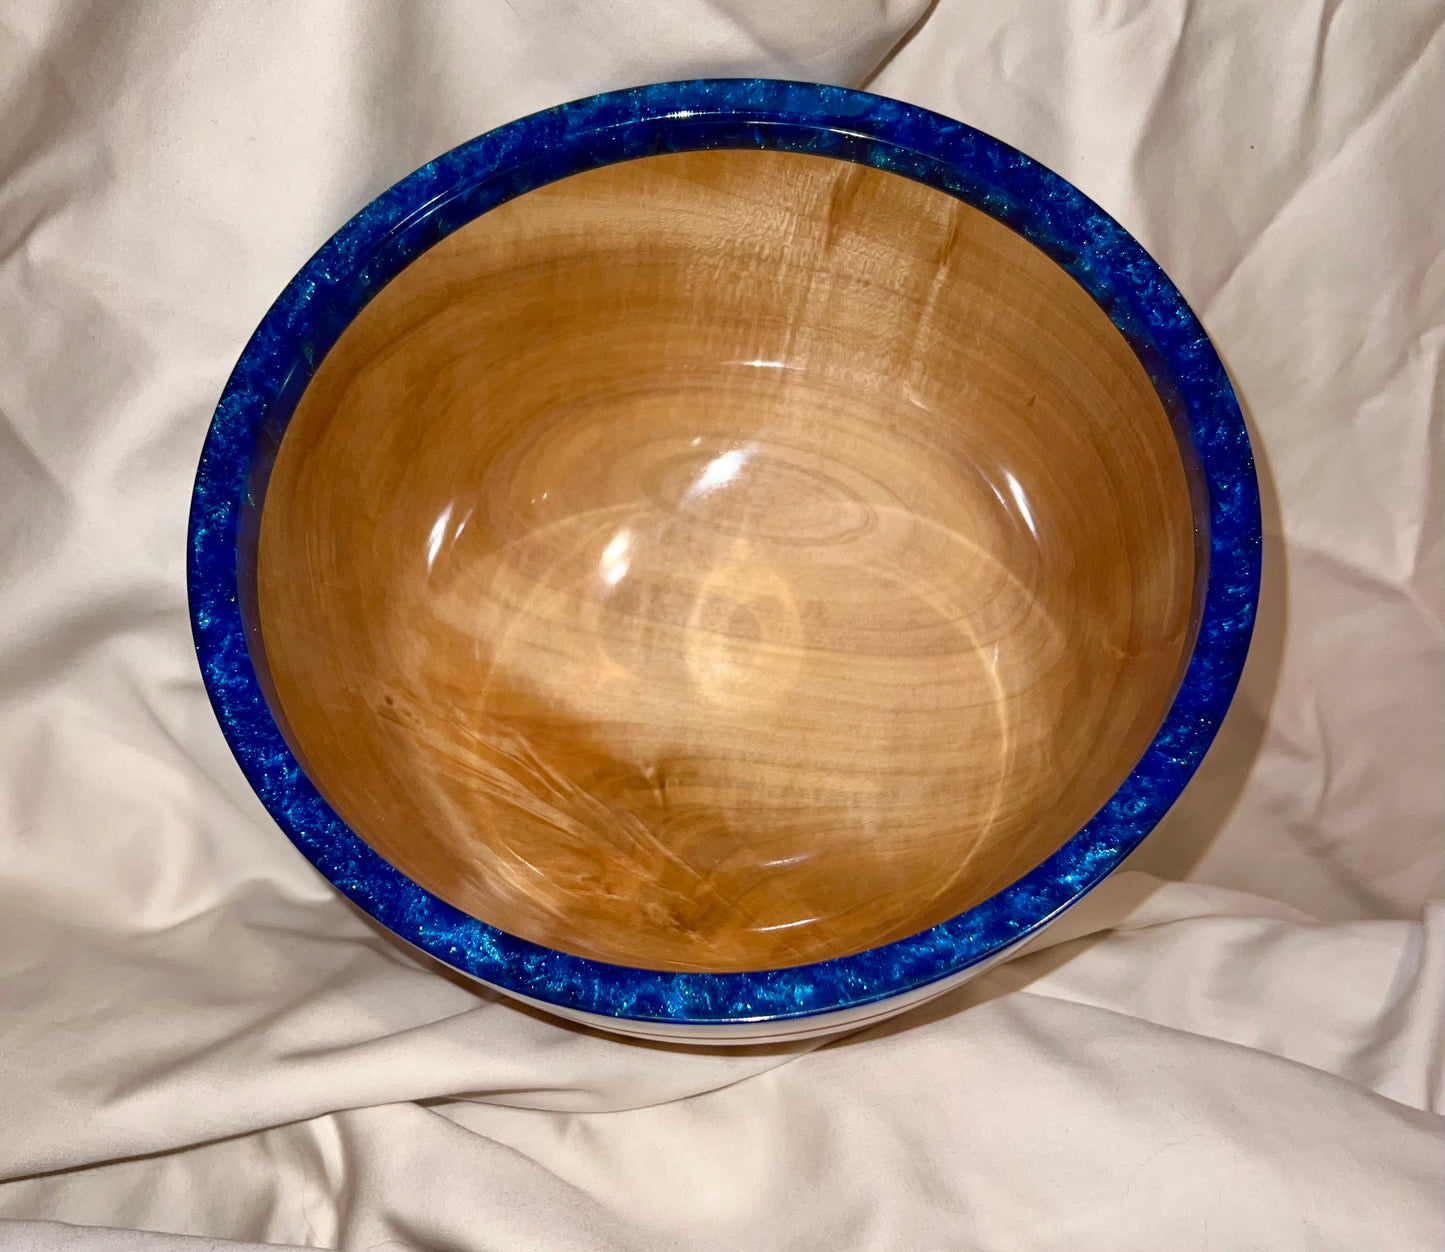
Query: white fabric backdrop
[[1237, 1044]]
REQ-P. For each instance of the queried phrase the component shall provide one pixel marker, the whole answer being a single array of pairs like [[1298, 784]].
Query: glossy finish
[[724, 561], [378, 244]]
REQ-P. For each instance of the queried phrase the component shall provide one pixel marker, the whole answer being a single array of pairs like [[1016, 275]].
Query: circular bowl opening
[[745, 566]]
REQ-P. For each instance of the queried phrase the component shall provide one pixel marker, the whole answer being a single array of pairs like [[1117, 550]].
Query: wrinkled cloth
[[1236, 1043]]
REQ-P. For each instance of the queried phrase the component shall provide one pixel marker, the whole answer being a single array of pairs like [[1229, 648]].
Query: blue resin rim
[[379, 241]]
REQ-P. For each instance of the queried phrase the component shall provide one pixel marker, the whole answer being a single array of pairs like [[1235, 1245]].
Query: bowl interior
[[725, 560]]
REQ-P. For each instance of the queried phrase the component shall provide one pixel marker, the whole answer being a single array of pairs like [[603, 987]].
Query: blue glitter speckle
[[450, 191]]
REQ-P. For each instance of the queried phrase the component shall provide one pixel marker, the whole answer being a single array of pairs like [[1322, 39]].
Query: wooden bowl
[[726, 560]]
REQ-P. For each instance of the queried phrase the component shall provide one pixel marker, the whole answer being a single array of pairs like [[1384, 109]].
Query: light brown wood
[[724, 561]]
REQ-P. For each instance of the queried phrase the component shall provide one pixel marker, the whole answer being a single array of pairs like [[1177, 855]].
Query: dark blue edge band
[[443, 195]]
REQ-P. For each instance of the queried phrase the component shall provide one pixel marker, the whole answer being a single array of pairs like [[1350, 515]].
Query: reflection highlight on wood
[[724, 561]]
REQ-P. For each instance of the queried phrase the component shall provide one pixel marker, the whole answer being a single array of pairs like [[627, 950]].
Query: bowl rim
[[767, 114]]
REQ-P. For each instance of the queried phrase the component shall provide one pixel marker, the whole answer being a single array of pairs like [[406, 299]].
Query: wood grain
[[726, 560]]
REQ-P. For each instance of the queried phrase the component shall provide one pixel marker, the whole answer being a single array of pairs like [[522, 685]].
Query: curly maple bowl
[[724, 560]]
